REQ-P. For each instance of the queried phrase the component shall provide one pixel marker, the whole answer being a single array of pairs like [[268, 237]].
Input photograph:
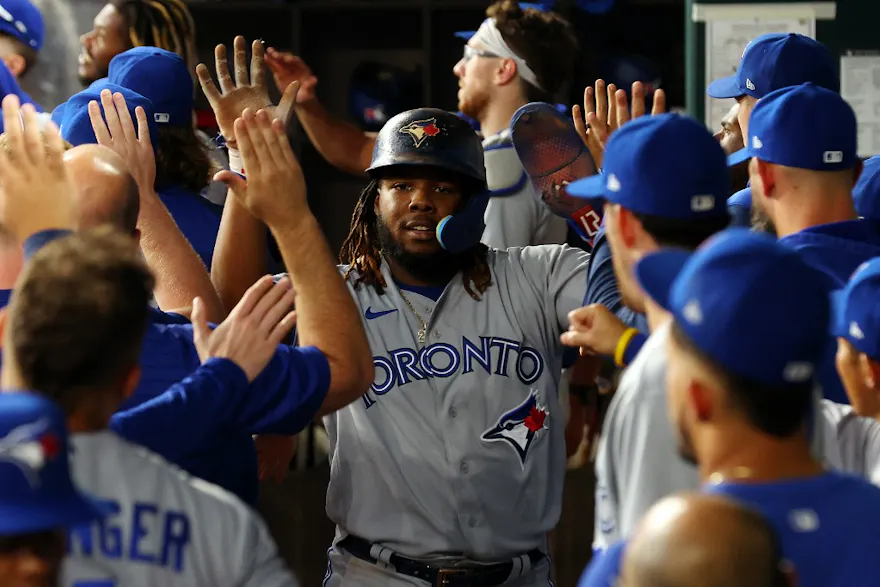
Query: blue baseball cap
[[160, 76], [542, 6], [22, 20], [778, 60], [866, 193], [742, 198], [856, 311], [72, 117], [784, 129], [752, 305], [668, 165], [36, 490]]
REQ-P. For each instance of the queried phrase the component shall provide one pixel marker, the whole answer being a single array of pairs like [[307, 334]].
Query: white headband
[[489, 35]]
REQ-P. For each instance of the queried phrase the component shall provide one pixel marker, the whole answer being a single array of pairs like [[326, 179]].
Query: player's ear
[[506, 72], [15, 63], [699, 396], [3, 316], [767, 173], [870, 370], [628, 226], [130, 382]]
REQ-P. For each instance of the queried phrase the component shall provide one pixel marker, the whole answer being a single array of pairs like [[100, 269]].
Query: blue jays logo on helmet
[[421, 130], [29, 447], [519, 427]]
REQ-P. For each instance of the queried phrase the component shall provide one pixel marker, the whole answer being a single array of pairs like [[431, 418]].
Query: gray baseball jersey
[[515, 216], [171, 529], [638, 462], [457, 446]]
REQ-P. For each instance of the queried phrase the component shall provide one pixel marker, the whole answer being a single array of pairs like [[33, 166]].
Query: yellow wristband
[[622, 343]]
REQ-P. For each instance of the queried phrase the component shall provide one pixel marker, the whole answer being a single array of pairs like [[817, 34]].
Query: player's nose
[[458, 68], [421, 200]]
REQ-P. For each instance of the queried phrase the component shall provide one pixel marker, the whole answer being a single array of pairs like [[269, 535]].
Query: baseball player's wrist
[[622, 344]]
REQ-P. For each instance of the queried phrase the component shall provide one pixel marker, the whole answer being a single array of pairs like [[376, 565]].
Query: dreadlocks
[[166, 24], [362, 253]]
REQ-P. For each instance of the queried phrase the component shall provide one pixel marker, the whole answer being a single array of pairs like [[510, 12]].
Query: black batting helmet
[[433, 138]]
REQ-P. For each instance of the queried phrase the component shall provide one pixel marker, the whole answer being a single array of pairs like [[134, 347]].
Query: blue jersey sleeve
[[604, 569], [38, 240], [602, 285], [180, 420], [287, 395]]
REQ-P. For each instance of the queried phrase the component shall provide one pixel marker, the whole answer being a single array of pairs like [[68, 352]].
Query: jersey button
[[472, 522], [452, 412], [436, 334], [464, 468]]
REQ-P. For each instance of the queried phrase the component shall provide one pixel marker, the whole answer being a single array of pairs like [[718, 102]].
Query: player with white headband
[[520, 54]]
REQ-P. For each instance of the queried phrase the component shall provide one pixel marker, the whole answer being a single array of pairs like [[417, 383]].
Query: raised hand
[[249, 89], [288, 68], [118, 133], [598, 118], [639, 106], [252, 331], [36, 190], [275, 189]]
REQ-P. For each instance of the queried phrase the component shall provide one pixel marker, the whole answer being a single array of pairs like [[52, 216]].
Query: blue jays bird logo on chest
[[520, 426], [421, 130]]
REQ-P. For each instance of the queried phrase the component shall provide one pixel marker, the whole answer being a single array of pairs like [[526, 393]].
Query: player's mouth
[[421, 229], [84, 58]]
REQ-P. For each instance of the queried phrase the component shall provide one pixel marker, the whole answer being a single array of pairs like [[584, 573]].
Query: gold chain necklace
[[423, 332], [734, 473]]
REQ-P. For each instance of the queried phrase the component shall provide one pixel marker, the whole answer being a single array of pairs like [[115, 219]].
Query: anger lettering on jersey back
[[157, 537]]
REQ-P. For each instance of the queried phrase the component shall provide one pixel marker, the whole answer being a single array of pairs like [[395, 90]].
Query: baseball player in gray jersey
[[450, 469], [167, 528], [457, 439], [518, 55]]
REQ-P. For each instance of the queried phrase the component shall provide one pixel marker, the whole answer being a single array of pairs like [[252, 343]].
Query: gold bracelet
[[622, 343]]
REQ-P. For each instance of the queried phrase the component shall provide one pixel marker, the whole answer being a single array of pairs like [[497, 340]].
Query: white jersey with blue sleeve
[[638, 462], [457, 446], [169, 529], [515, 216]]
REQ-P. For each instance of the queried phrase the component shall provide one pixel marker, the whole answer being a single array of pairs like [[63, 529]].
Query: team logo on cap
[[421, 130], [613, 183], [750, 85], [855, 331], [756, 143], [29, 447], [519, 427]]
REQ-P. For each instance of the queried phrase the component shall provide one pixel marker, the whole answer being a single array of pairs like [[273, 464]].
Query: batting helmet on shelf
[[438, 139]]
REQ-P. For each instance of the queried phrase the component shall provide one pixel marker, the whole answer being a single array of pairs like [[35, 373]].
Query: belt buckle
[[444, 574]]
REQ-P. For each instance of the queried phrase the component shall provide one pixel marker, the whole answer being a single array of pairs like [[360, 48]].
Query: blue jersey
[[197, 218], [206, 427], [837, 250], [829, 527]]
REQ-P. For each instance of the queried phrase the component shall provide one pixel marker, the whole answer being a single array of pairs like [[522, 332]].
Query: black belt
[[482, 576]]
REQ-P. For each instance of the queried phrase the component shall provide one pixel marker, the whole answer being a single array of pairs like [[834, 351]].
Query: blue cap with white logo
[[36, 490], [22, 20], [160, 76], [806, 126], [778, 60], [866, 193], [856, 311], [750, 304], [72, 117], [668, 165]]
